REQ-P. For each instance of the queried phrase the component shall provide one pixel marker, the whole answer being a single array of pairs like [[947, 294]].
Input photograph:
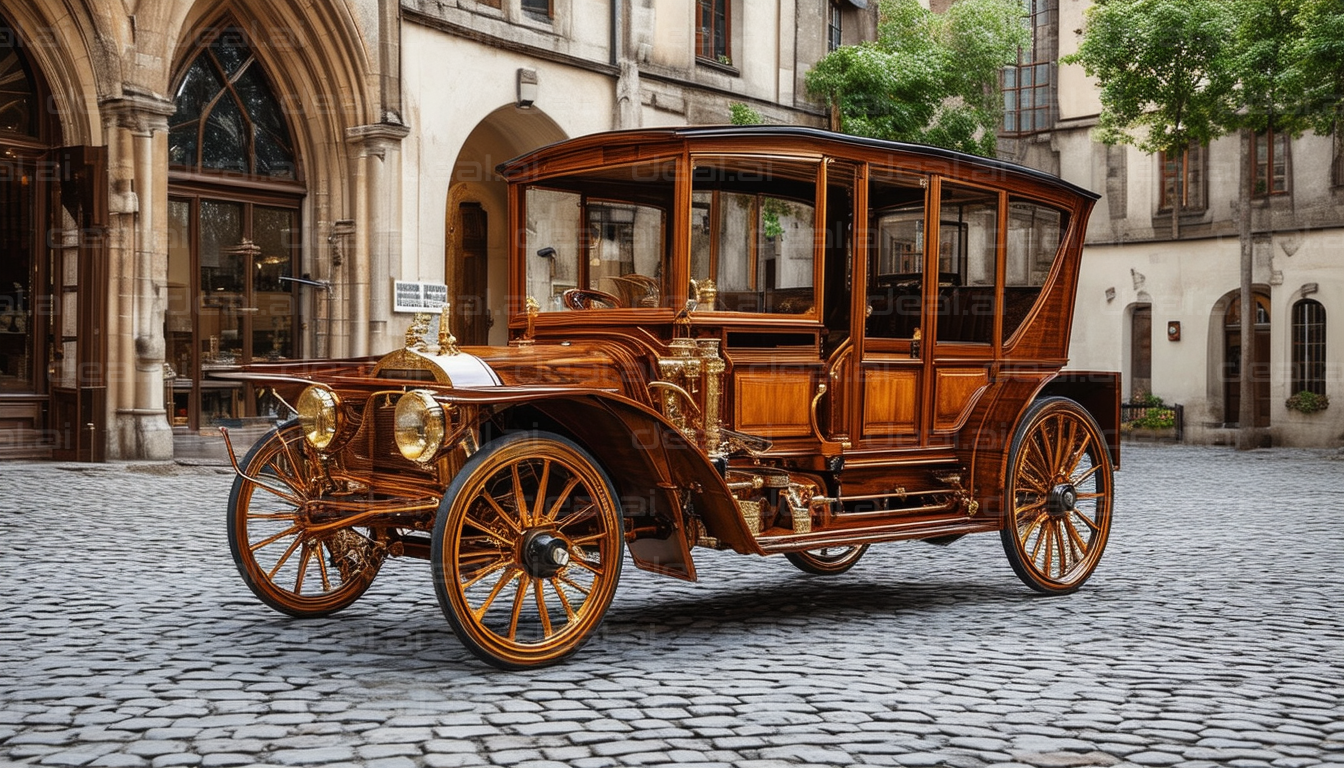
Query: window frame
[[1041, 56], [537, 13], [1199, 165], [1308, 347], [706, 37], [834, 27], [1260, 172]]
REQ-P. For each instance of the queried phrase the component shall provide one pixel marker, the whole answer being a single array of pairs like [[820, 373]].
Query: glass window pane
[[1034, 235], [968, 235], [179, 317], [231, 49], [896, 256], [224, 143], [275, 234], [17, 90], [762, 252], [274, 154], [223, 257], [552, 249]]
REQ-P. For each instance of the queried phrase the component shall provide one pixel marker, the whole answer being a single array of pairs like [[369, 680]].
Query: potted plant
[[1307, 402]]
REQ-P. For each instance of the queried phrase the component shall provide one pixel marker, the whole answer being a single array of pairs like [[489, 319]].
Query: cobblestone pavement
[[1210, 635]]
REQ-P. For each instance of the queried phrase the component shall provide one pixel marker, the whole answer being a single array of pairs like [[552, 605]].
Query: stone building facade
[[1160, 303], [191, 186]]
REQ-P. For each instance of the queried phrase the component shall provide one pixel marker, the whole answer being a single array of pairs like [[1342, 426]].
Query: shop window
[[1308, 347], [711, 31], [1183, 179], [234, 245], [1270, 151]]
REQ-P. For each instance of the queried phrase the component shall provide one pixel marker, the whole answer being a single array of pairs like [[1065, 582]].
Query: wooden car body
[[771, 339]]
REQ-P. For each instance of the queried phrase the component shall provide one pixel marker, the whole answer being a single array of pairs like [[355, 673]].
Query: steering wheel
[[588, 298]]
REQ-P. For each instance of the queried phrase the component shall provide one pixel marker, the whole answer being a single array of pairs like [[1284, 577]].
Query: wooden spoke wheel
[[1058, 497], [287, 565], [827, 560], [527, 550]]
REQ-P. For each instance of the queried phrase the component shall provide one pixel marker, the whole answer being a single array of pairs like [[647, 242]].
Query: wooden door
[[471, 321]]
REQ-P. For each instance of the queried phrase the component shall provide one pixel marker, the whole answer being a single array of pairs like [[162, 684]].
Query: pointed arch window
[[228, 117], [18, 90]]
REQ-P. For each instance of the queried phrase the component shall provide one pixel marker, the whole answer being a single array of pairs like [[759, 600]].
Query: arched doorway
[[234, 197], [475, 258], [1259, 372]]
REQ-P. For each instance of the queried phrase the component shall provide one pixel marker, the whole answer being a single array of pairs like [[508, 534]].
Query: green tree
[[1173, 72], [927, 78]]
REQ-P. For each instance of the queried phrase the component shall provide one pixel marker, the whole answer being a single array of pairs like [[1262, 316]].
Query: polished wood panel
[[890, 401], [773, 403], [957, 390]]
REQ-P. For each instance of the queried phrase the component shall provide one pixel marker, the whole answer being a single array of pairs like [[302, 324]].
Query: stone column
[[141, 129], [377, 242]]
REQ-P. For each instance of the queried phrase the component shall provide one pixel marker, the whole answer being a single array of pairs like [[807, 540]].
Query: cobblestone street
[[1211, 634]]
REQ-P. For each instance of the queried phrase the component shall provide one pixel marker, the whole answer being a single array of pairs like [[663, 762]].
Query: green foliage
[[742, 114], [1307, 402], [1163, 70], [928, 78], [1319, 56], [1155, 415]]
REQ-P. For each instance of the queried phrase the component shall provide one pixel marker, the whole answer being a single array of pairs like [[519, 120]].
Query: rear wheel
[[527, 550], [1058, 497], [285, 564], [827, 561]]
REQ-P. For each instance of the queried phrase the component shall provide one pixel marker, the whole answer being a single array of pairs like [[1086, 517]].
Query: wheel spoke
[[564, 578], [514, 525], [1059, 547], [322, 567], [485, 571], [489, 532], [1096, 495], [518, 597], [519, 496], [580, 562], [291, 530], [1086, 521], [284, 558], [1077, 541], [270, 515], [559, 501], [541, 494], [1049, 544], [540, 591], [1083, 478], [504, 581], [570, 615], [307, 554]]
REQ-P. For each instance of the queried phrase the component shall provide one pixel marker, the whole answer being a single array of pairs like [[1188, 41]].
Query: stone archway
[[476, 220]]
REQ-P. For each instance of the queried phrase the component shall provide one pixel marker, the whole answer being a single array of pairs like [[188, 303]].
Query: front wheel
[[1058, 496], [827, 561], [288, 566], [527, 550]]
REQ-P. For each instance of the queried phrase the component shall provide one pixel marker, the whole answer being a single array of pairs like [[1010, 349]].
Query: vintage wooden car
[[770, 340]]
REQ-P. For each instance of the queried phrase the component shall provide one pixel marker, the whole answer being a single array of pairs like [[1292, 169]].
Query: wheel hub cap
[[1062, 500], [544, 554]]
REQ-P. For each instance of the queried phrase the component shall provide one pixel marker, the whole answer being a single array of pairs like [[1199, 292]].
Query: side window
[[752, 235], [968, 241], [895, 255], [1034, 235], [599, 240]]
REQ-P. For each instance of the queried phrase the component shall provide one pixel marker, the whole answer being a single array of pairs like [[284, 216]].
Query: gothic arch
[[61, 44]]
